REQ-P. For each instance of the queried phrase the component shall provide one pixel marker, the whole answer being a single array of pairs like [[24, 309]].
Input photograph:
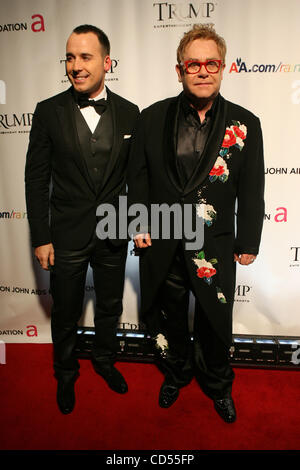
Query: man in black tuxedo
[[79, 146], [200, 151]]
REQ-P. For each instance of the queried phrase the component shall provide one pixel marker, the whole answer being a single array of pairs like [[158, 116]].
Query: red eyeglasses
[[194, 66]]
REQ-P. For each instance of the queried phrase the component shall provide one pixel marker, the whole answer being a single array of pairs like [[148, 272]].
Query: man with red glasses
[[202, 151]]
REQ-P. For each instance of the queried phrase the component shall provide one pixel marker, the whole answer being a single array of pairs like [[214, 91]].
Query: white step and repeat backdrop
[[262, 74]]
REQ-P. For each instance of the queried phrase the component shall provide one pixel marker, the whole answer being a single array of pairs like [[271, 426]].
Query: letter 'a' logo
[[2, 92], [39, 24]]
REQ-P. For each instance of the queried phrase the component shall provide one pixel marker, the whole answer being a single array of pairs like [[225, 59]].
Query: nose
[[202, 72], [77, 64]]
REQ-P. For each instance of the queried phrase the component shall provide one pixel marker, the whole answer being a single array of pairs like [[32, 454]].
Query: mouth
[[203, 84], [79, 79]]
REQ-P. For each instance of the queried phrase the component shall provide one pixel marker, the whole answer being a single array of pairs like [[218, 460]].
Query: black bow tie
[[100, 105]]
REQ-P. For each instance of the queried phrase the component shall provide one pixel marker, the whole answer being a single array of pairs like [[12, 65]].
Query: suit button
[[95, 170], [93, 140]]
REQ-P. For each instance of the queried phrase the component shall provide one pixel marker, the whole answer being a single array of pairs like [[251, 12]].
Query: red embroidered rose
[[238, 132], [229, 138], [206, 272], [217, 170]]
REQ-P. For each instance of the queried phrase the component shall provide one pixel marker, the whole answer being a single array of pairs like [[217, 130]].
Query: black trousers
[[205, 357], [67, 283]]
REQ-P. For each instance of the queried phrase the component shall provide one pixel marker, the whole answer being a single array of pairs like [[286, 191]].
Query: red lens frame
[[186, 62]]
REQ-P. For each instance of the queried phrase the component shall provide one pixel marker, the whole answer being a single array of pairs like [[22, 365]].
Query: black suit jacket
[[54, 160], [231, 170]]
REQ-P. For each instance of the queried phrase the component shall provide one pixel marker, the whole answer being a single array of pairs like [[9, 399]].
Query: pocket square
[[127, 136]]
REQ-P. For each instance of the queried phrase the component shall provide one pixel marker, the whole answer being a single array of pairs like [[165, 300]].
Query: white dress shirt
[[90, 114]]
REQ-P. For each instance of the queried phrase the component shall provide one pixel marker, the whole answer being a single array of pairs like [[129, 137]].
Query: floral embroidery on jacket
[[219, 171], [234, 137], [161, 344], [207, 212], [221, 296], [205, 269]]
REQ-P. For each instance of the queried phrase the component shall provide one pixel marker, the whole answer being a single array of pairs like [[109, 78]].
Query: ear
[[179, 72], [107, 63]]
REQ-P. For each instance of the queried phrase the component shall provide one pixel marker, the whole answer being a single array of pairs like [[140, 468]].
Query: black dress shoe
[[113, 378], [225, 408], [168, 394], [65, 396]]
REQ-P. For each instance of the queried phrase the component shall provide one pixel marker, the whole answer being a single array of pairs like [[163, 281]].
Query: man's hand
[[45, 255], [244, 258], [142, 240]]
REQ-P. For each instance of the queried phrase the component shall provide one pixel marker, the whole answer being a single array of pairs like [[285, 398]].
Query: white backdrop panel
[[262, 74]]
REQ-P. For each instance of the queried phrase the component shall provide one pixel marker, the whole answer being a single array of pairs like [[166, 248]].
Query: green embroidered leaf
[[236, 123], [221, 296], [212, 214], [223, 178], [213, 261], [201, 255]]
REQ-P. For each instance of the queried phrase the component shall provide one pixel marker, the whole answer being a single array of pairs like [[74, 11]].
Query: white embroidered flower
[[240, 142], [161, 342], [220, 167], [221, 297], [240, 131], [206, 212], [243, 128], [202, 263]]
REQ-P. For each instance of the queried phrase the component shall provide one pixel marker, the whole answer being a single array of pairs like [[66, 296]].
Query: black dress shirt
[[192, 135]]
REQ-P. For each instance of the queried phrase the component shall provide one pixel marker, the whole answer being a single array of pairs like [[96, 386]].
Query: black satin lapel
[[117, 138], [169, 147], [66, 116], [211, 149]]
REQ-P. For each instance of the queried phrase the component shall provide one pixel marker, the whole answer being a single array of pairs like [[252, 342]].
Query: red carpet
[[267, 403]]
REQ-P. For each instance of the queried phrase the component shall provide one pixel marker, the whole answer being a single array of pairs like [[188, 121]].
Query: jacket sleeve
[[250, 197], [37, 179], [138, 177]]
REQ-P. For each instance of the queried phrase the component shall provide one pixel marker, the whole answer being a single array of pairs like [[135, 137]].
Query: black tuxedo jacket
[[231, 171], [66, 216]]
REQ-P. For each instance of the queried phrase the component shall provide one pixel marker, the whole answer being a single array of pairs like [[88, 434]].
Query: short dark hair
[[103, 39]]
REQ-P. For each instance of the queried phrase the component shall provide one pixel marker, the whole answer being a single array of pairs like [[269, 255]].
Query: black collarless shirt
[[192, 135]]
